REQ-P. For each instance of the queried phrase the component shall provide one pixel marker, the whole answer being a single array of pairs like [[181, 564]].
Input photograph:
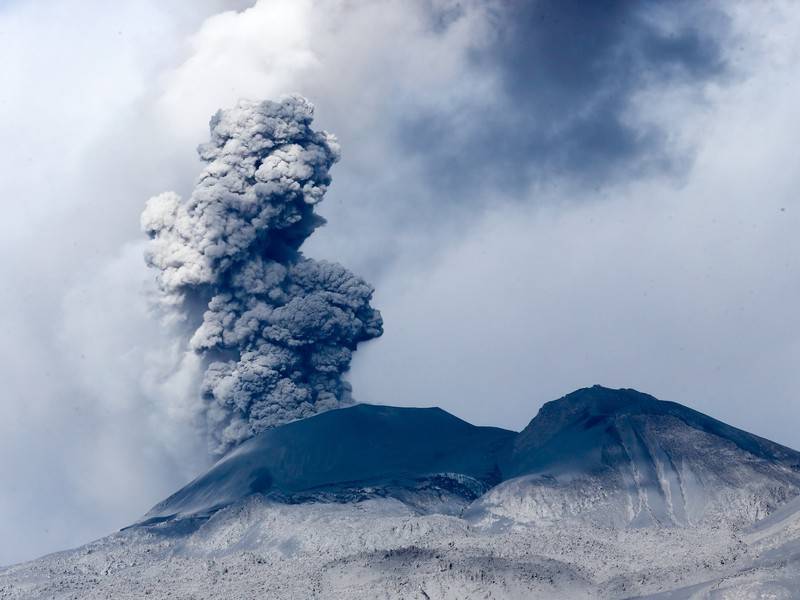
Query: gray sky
[[546, 195]]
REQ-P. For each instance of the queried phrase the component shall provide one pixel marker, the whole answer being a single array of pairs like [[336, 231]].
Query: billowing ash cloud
[[278, 329]]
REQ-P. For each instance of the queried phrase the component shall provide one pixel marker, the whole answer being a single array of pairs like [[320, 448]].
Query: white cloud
[[93, 426], [257, 53]]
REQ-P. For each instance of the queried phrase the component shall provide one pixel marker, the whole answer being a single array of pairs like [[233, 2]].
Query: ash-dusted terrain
[[606, 493]]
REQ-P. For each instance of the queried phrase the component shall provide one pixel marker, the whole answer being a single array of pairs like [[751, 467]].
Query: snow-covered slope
[[623, 458], [772, 565], [606, 494], [378, 548]]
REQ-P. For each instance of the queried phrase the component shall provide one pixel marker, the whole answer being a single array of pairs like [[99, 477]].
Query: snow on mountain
[[623, 458], [772, 569], [606, 494]]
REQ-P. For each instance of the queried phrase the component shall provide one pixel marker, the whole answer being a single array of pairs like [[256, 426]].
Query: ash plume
[[276, 329]]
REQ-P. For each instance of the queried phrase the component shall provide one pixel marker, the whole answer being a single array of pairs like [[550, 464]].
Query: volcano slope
[[622, 458], [424, 456], [606, 493]]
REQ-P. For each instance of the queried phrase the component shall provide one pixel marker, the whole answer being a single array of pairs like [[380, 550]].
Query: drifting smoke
[[277, 329]]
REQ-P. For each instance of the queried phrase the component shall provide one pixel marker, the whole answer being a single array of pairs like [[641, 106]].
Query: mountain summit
[[618, 457], [624, 458], [418, 455], [591, 408]]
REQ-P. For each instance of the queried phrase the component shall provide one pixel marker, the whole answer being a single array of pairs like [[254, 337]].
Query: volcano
[[605, 494]]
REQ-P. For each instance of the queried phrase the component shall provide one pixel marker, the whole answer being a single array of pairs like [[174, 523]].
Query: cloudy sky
[[545, 194]]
